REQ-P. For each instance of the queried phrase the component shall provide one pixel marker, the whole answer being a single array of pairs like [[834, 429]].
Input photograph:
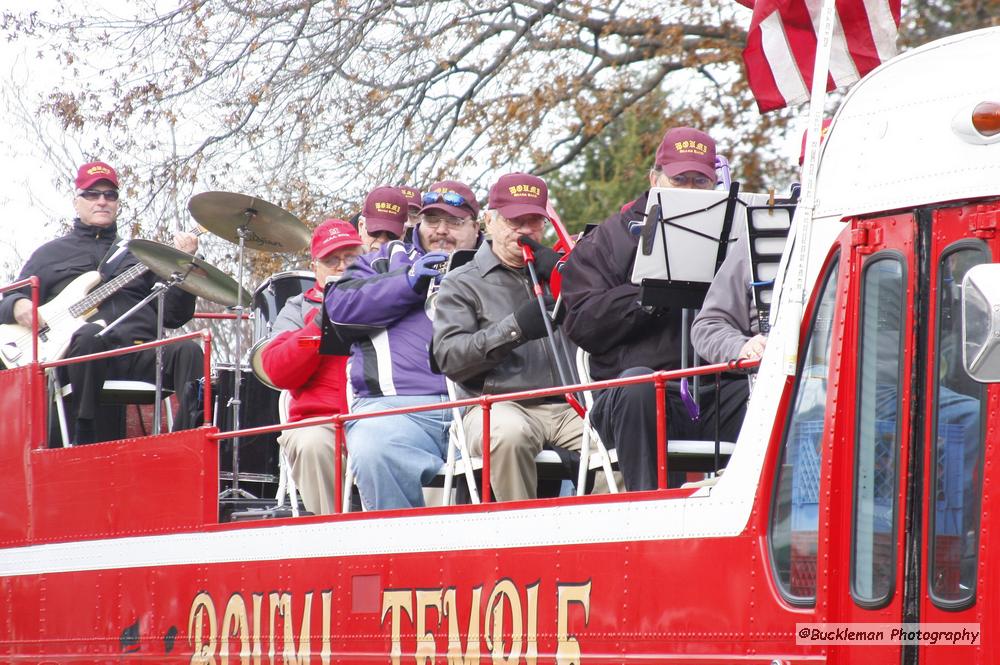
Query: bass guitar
[[62, 316]]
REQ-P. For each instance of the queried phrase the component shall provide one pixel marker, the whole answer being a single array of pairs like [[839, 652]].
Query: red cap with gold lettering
[[93, 172], [517, 194], [385, 210], [685, 149], [413, 198]]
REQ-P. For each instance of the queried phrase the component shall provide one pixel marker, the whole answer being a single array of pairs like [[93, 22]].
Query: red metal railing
[[204, 335], [660, 380], [36, 387]]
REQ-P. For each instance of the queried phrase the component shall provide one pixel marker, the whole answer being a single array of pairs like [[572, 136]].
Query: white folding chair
[[114, 392], [467, 464], [603, 458], [286, 481]]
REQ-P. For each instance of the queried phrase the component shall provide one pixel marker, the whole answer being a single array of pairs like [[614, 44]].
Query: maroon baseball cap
[[413, 197], [517, 194], [385, 210], [452, 198], [92, 172], [331, 235], [684, 149], [822, 137]]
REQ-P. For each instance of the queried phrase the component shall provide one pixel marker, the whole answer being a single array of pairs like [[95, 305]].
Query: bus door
[[871, 440], [953, 415]]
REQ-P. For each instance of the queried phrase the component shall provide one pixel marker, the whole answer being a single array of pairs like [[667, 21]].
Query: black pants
[[625, 417], [182, 363]]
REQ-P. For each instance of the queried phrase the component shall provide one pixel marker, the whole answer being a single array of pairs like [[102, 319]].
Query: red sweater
[[317, 383]]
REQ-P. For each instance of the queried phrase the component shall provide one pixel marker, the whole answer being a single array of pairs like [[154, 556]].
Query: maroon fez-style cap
[[385, 210], [685, 149], [331, 235], [93, 172], [452, 198], [413, 198], [517, 194]]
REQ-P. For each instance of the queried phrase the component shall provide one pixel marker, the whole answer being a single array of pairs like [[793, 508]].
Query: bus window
[[877, 430], [958, 442], [795, 504]]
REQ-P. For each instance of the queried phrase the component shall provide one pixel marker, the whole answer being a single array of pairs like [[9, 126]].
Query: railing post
[[36, 381], [338, 465], [206, 337], [661, 432], [486, 451]]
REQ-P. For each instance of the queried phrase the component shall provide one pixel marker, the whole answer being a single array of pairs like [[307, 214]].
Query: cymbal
[[268, 227], [201, 277]]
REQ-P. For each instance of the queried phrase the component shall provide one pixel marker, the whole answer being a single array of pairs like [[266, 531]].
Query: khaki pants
[[517, 434], [310, 455]]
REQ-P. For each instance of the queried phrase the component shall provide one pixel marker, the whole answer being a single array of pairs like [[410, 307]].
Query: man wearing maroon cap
[[488, 339], [625, 338], [383, 295], [318, 383], [413, 204], [383, 217], [93, 245]]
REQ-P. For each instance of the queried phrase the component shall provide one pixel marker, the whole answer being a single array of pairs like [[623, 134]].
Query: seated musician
[[626, 338], [317, 382], [488, 334], [384, 293], [93, 244], [727, 326], [375, 227]]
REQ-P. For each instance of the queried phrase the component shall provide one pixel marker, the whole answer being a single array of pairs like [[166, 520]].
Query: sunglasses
[[451, 198], [94, 194]]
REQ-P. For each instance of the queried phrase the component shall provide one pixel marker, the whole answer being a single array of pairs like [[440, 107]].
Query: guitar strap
[[112, 260]]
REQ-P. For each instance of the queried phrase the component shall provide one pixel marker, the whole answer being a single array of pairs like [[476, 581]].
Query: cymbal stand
[[158, 291], [235, 402]]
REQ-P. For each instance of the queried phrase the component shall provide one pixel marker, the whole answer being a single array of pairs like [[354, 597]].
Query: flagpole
[[807, 202]]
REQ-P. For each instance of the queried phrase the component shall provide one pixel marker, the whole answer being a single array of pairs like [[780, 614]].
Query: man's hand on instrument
[[22, 313], [546, 258], [529, 317], [424, 270], [186, 242], [753, 349]]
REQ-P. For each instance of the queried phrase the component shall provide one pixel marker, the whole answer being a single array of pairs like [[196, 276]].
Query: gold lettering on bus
[[203, 647], [504, 593], [454, 635], [568, 651], [426, 645], [235, 624], [394, 603]]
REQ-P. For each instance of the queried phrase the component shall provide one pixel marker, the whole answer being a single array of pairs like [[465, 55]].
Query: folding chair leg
[[60, 410]]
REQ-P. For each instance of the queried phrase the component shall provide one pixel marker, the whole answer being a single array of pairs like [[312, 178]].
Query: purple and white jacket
[[394, 357]]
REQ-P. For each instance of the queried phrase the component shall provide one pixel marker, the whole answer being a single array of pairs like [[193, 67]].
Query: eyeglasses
[[435, 222], [531, 221], [94, 194], [333, 261], [699, 181], [451, 198]]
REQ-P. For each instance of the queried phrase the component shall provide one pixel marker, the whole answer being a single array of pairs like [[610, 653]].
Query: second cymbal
[[201, 277], [267, 227]]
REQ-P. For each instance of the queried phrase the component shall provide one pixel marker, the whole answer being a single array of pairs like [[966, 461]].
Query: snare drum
[[271, 295], [257, 362]]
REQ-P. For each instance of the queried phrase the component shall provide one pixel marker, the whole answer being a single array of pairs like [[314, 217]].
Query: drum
[[271, 295], [259, 407], [257, 362]]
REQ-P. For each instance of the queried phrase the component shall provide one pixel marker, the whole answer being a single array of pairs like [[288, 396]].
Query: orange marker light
[[986, 118]]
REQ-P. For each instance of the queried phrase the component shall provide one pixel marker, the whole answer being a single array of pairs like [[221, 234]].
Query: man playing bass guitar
[[93, 245]]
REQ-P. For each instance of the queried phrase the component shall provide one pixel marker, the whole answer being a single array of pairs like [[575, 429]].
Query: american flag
[[781, 46]]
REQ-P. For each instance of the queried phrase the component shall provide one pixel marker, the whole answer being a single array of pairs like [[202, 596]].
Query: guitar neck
[[98, 295]]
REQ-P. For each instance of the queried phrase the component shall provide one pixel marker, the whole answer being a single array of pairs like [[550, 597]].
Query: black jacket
[[603, 313], [59, 261]]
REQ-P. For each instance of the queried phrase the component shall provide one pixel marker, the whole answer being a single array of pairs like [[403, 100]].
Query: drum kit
[[250, 223]]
